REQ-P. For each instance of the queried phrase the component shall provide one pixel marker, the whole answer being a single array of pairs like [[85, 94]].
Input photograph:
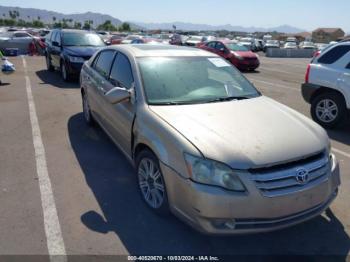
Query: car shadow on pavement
[[341, 134], [111, 178], [55, 79]]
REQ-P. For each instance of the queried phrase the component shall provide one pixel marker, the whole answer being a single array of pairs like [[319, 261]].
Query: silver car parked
[[206, 145]]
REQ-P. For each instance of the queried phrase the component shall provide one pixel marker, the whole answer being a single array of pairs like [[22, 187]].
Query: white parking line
[[53, 232], [273, 84], [341, 152]]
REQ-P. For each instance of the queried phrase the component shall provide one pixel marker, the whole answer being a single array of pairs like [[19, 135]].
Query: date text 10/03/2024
[[173, 258]]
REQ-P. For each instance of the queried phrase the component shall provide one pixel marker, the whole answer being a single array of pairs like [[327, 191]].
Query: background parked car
[[307, 45], [271, 44], [290, 45], [17, 39], [327, 85], [130, 38], [248, 42], [194, 40], [67, 50], [237, 54]]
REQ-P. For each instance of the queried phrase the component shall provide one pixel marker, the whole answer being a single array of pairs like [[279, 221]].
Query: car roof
[[144, 50], [75, 31]]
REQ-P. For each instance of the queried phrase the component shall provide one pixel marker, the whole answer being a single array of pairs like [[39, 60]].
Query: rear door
[[344, 80], [120, 116]]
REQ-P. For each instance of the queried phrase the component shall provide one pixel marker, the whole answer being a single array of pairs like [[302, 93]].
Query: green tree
[[125, 27], [107, 26], [38, 24], [77, 25], [87, 25]]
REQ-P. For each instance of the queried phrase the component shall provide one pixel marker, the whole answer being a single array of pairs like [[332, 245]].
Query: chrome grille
[[278, 181]]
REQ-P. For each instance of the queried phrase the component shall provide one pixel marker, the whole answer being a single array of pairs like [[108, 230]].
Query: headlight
[[76, 59], [213, 173], [239, 57]]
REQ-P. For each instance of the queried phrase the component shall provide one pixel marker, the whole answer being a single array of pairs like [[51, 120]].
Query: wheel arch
[[323, 90]]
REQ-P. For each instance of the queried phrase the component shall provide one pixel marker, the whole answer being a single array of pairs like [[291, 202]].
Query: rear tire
[[151, 182], [48, 63], [329, 110], [64, 73], [89, 119]]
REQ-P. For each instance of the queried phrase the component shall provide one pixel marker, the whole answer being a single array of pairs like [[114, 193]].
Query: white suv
[[327, 85]]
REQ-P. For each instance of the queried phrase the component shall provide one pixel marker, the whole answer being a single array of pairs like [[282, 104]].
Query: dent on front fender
[[166, 143]]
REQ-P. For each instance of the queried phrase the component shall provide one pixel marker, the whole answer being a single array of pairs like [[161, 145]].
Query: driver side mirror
[[117, 95], [56, 44]]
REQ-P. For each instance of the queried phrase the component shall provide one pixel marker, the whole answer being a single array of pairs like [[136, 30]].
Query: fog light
[[224, 224], [231, 224]]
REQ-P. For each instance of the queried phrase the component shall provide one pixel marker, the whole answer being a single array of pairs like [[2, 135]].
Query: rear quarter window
[[334, 54]]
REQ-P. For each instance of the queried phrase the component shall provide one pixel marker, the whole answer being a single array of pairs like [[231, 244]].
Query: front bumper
[[248, 65], [213, 210], [74, 68]]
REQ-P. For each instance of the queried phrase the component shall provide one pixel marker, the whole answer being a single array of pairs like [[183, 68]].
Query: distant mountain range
[[29, 14], [204, 27]]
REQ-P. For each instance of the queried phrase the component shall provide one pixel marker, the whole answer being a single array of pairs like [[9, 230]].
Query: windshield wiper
[[228, 98]]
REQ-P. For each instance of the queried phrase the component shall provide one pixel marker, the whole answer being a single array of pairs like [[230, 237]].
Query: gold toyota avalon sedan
[[206, 145]]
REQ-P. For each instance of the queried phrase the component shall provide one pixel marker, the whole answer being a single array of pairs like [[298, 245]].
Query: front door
[[120, 116]]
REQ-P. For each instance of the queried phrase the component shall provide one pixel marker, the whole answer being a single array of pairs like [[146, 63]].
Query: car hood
[[246, 134], [83, 51], [245, 54]]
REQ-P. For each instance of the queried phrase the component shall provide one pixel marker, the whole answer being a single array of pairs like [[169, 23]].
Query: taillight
[[317, 53], [307, 75]]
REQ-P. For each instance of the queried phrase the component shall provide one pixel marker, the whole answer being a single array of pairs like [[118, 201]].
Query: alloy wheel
[[327, 110], [151, 183]]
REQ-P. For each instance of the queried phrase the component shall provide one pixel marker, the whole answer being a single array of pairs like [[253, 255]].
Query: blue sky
[[305, 14]]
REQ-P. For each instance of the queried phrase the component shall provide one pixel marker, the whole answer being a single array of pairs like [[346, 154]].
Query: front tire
[[329, 110], [151, 182]]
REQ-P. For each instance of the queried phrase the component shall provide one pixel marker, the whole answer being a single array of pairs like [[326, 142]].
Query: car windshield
[[236, 47], [81, 39], [291, 44], [190, 80], [272, 42]]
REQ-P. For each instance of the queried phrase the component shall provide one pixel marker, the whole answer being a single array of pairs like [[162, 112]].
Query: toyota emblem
[[302, 176]]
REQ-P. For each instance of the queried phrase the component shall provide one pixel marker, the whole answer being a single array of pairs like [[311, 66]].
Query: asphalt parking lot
[[98, 206]]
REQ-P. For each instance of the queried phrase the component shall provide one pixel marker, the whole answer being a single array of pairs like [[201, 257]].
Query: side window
[[58, 38], [53, 36], [21, 35], [334, 54], [211, 44], [219, 46], [348, 66], [121, 74], [104, 62]]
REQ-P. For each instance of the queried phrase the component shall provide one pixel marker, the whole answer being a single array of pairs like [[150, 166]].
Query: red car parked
[[238, 55]]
